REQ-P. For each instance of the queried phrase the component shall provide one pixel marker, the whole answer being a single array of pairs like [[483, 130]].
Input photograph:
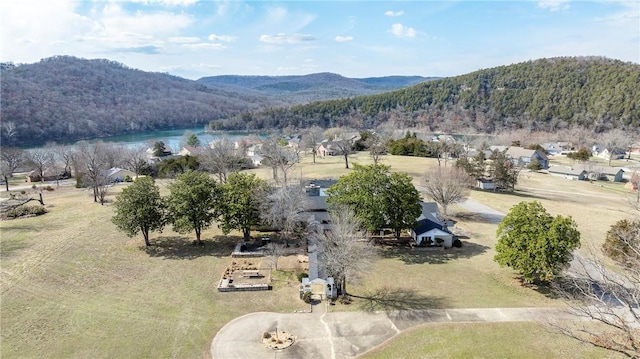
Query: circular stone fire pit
[[277, 340]]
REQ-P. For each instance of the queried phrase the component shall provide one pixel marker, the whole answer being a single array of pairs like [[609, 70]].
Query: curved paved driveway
[[347, 334]]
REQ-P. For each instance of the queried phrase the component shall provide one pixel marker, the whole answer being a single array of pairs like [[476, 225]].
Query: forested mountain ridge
[[65, 98], [312, 87], [545, 94]]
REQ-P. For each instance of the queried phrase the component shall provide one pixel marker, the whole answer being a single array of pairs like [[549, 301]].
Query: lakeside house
[[524, 157]]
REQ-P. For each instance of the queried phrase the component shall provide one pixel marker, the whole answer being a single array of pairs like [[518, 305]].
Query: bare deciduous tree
[[94, 160], [63, 156], [10, 160], [311, 139], [281, 159], [273, 251], [220, 158], [342, 139], [40, 159], [377, 143], [447, 186], [615, 141], [610, 299], [135, 158], [285, 209], [345, 250]]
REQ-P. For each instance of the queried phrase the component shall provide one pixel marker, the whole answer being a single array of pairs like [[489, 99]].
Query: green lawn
[[73, 286], [487, 340]]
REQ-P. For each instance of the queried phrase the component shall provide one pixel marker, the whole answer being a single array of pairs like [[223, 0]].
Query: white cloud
[[166, 2], [400, 30], [343, 38], [394, 13], [223, 38], [554, 5], [204, 45], [286, 39], [284, 20], [183, 39], [114, 28]]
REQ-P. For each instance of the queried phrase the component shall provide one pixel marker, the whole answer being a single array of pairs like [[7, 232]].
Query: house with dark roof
[[430, 230], [523, 157]]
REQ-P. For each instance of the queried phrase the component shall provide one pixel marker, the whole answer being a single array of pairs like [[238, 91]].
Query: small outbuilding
[[576, 174], [486, 184]]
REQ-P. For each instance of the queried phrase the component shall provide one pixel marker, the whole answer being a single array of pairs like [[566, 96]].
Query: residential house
[[634, 147], [557, 148], [116, 174], [577, 173], [187, 150], [523, 157], [327, 148], [613, 174], [318, 283], [318, 208], [614, 154], [49, 175], [430, 230]]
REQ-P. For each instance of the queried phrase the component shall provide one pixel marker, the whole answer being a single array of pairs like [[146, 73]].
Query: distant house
[[327, 148], [572, 173], [430, 230], [556, 148], [486, 184], [635, 147], [253, 150], [116, 174], [614, 154], [523, 157], [187, 150], [34, 176], [613, 174], [256, 159]]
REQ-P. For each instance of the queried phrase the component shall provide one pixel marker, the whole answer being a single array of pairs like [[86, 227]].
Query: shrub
[[25, 211], [302, 275], [79, 182], [128, 178], [306, 297], [457, 243], [49, 188]]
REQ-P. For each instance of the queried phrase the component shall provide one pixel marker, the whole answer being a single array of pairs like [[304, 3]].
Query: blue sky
[[195, 38]]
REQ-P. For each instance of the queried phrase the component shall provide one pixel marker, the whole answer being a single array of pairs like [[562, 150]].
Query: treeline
[[66, 98], [541, 95]]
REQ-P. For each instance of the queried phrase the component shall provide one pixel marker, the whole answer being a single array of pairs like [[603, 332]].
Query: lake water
[[172, 138]]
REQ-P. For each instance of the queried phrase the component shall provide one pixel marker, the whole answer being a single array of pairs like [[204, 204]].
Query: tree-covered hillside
[[66, 98], [545, 94], [313, 87]]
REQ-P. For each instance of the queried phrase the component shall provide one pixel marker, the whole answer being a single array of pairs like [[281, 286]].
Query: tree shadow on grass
[[405, 303], [479, 217], [436, 256], [174, 247]]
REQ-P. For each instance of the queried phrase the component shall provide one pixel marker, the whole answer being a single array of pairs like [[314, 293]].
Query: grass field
[[487, 340], [73, 286]]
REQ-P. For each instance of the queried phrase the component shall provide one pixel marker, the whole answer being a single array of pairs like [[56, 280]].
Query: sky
[[197, 38]]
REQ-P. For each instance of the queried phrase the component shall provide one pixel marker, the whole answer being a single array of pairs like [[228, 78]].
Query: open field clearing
[[487, 340], [73, 286]]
